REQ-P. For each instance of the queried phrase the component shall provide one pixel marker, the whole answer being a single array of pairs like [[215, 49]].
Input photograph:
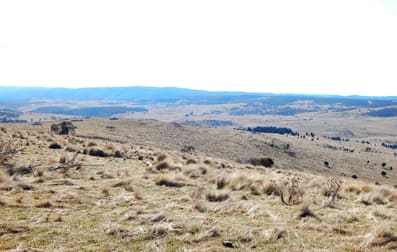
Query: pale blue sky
[[329, 47]]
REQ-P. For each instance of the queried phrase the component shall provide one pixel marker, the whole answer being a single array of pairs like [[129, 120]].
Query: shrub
[[118, 154], [97, 153], [55, 146], [266, 162]]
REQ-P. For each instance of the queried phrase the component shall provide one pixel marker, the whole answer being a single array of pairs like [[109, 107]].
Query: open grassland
[[292, 153], [133, 189]]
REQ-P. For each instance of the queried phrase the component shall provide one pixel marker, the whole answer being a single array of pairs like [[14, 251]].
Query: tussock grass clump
[[4, 178], [393, 197], [200, 206], [62, 159], [2, 202], [367, 188], [381, 236], [162, 165], [192, 173], [118, 154], [235, 181], [191, 161], [217, 196], [161, 157], [58, 218], [43, 204], [354, 189], [221, 182], [257, 187], [272, 188], [378, 198], [122, 183], [137, 193], [106, 191], [40, 171], [91, 144], [126, 184], [304, 211], [119, 231], [207, 162], [156, 231], [239, 181], [171, 181], [277, 234], [110, 147]]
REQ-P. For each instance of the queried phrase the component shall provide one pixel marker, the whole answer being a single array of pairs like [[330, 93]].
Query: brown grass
[[40, 171], [106, 191], [4, 178], [382, 236], [91, 144], [161, 157], [241, 212], [162, 165], [216, 196], [304, 211], [171, 181], [43, 204]]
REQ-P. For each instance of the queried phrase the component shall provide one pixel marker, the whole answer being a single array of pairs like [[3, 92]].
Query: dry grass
[[161, 157], [162, 165], [304, 211], [172, 180], [4, 177], [216, 196], [43, 204], [381, 236], [40, 171], [111, 203]]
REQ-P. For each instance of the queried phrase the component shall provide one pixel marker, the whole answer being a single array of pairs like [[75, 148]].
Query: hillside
[[132, 188]]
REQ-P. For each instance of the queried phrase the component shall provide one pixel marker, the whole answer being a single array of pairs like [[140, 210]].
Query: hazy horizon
[[204, 90], [290, 47]]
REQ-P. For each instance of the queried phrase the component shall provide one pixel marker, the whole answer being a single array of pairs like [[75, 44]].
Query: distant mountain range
[[157, 94]]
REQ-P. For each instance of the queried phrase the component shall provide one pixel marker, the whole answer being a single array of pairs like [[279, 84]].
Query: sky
[[345, 47]]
